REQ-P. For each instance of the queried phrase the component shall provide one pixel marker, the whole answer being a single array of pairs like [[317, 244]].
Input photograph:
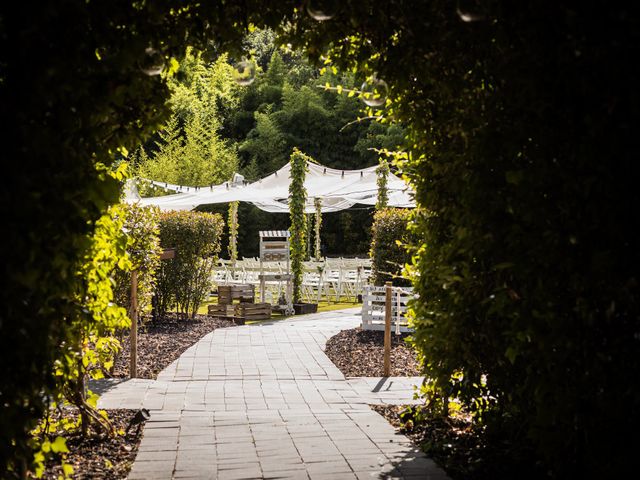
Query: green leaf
[[67, 469], [511, 354], [59, 445], [514, 177], [92, 399], [174, 66]]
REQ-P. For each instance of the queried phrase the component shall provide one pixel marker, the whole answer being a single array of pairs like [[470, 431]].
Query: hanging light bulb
[[244, 72], [152, 63], [321, 10], [374, 91], [469, 11]]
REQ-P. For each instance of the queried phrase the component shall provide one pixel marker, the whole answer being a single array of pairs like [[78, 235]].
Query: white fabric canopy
[[336, 189]]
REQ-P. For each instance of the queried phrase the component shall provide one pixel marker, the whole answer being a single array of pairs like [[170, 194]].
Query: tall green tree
[[190, 149], [265, 144]]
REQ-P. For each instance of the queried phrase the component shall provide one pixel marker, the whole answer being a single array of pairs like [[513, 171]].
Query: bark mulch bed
[[451, 442], [458, 446], [162, 342], [99, 456], [159, 344], [360, 353]]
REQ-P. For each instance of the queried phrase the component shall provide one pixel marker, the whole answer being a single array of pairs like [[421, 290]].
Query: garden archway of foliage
[[521, 147]]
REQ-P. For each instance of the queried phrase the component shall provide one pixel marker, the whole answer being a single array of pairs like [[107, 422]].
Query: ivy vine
[[298, 229], [232, 223], [383, 178], [318, 224]]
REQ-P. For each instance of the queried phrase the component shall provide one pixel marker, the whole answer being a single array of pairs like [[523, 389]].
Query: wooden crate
[[221, 310], [239, 312], [228, 293], [253, 311]]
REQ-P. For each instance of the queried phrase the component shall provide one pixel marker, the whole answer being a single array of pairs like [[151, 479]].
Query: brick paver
[[264, 402]]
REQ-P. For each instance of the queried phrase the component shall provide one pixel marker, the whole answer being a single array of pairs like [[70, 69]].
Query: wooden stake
[[133, 344], [387, 329]]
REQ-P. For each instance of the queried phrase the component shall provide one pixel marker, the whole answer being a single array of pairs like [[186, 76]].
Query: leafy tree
[[143, 248], [266, 144], [189, 150], [285, 108], [261, 42]]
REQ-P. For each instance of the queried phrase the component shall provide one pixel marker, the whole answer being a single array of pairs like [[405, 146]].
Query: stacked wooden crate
[[253, 311], [228, 293], [240, 312], [245, 309], [222, 310]]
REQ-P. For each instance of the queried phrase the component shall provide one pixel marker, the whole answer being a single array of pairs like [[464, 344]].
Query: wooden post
[[133, 344], [387, 329]]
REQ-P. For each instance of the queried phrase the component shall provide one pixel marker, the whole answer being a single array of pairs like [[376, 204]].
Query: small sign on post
[[387, 329]]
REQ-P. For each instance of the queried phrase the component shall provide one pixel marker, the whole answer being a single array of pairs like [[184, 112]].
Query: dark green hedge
[[529, 258]]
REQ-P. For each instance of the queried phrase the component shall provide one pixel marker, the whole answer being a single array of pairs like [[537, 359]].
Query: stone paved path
[[265, 402]]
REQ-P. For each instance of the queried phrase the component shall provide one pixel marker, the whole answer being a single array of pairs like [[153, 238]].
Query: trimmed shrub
[[143, 247], [388, 251], [185, 280]]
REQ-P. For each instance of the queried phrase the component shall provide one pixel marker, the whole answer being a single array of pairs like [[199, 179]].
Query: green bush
[[185, 280], [143, 246], [388, 246]]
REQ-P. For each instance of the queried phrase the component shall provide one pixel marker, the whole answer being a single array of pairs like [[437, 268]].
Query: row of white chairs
[[331, 280]]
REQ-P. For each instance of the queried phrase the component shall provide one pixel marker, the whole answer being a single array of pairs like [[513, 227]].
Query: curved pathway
[[263, 401]]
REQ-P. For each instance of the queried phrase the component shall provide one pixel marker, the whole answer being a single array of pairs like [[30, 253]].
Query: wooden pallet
[[373, 308], [253, 311], [236, 320], [243, 310], [221, 310], [228, 293]]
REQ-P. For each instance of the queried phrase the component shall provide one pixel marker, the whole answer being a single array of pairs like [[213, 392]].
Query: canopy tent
[[336, 189]]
